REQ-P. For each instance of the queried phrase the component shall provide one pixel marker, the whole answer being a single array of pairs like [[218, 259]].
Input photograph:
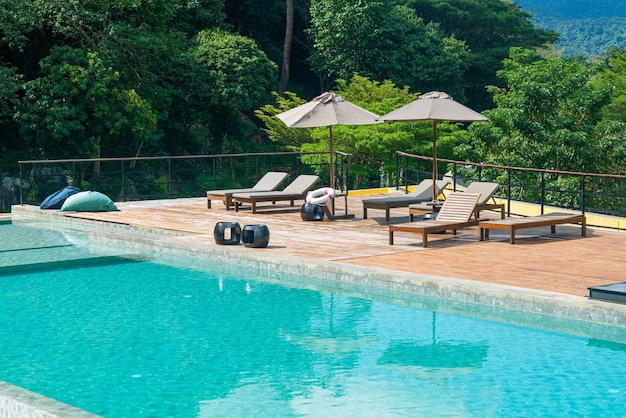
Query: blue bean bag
[[88, 202], [56, 199]]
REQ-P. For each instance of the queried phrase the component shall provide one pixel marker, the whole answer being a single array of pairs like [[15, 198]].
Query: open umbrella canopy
[[434, 106], [328, 109]]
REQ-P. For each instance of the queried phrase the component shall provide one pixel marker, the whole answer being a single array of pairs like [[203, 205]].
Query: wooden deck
[[564, 263]]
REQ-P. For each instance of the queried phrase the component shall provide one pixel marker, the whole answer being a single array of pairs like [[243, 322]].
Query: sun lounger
[[422, 193], [269, 182], [549, 219], [456, 213], [485, 189], [297, 190]]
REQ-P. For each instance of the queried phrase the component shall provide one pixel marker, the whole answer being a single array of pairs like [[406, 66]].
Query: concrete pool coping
[[16, 402]]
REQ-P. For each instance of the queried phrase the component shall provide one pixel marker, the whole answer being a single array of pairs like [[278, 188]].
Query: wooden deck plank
[[565, 263]]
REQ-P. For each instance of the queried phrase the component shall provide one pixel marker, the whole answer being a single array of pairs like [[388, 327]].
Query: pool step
[[615, 292], [66, 264]]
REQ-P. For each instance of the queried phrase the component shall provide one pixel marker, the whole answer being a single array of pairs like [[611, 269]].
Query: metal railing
[[168, 177], [147, 178], [584, 192]]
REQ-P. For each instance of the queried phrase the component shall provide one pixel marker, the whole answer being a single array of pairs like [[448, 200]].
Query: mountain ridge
[[587, 28]]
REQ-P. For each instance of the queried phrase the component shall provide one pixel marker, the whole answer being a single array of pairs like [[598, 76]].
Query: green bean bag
[[88, 202]]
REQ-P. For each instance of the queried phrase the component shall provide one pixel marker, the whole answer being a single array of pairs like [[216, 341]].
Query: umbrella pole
[[332, 167], [434, 160], [332, 183]]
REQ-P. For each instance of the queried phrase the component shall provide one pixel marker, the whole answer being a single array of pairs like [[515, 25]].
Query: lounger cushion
[[88, 202], [56, 199]]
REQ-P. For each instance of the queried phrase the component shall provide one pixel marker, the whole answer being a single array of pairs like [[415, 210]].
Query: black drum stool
[[312, 212], [222, 238], [255, 236]]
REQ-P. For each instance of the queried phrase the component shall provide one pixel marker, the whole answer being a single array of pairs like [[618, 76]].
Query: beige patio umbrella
[[328, 109], [434, 106]]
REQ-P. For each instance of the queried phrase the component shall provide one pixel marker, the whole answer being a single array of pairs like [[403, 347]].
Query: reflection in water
[[439, 355], [607, 344], [438, 360]]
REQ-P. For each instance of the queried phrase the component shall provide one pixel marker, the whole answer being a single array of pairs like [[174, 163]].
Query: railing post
[[214, 172], [582, 195], [542, 200], [406, 174], [123, 182], [397, 171], [508, 191], [297, 167], [21, 191], [169, 177], [454, 177]]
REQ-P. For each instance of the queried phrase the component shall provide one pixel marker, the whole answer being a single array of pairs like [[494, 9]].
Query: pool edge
[[16, 402]]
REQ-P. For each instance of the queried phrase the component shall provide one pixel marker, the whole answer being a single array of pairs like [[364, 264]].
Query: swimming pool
[[122, 337]]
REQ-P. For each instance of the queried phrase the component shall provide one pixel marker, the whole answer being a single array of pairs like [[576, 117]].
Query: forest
[[586, 27], [124, 78]]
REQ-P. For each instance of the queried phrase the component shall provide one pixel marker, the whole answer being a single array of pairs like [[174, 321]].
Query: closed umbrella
[[434, 106], [328, 109]]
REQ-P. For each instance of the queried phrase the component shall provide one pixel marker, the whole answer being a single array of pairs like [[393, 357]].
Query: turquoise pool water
[[125, 338]]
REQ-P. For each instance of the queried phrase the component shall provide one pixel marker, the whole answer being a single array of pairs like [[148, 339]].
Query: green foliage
[[236, 76], [586, 27], [79, 108], [17, 19], [611, 130], [193, 16], [611, 74], [384, 42], [240, 73], [276, 130], [587, 37], [546, 117], [489, 28]]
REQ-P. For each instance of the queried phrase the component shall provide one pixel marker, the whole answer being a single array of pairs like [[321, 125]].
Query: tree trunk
[[133, 163], [284, 75]]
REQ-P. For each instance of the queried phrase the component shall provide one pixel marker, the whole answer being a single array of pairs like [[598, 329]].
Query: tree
[[611, 130], [611, 73], [284, 73], [489, 28], [237, 78], [17, 19], [385, 43], [546, 116], [79, 109], [278, 27]]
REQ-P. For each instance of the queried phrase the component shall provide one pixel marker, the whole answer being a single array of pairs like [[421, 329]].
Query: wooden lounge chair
[[456, 213], [422, 193], [297, 190], [485, 189], [269, 182], [549, 219]]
